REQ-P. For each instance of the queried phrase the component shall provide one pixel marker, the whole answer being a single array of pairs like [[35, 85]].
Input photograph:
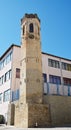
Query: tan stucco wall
[[15, 83]]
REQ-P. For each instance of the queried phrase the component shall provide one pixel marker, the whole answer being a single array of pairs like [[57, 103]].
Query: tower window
[[17, 73], [31, 28], [38, 31], [23, 30]]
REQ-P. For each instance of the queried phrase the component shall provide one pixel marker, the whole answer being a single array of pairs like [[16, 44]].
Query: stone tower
[[31, 69], [30, 110]]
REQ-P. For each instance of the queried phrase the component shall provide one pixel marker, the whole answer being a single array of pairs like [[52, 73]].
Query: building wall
[[40, 114], [48, 88], [8, 82], [60, 109], [15, 83], [56, 88], [58, 96], [49, 70], [15, 64], [5, 81], [54, 71], [27, 115]]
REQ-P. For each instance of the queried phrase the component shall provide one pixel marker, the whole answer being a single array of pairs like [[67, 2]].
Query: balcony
[[57, 89]]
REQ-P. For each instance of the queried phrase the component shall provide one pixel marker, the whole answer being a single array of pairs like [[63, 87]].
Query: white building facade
[[57, 75], [56, 72], [8, 66]]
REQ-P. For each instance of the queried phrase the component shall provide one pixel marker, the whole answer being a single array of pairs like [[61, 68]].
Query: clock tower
[[30, 109], [31, 64]]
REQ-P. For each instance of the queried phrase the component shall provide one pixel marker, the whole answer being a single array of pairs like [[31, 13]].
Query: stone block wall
[[27, 115], [11, 113], [21, 115], [60, 109], [38, 114]]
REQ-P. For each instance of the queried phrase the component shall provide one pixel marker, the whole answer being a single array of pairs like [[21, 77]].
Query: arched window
[[23, 30], [31, 28], [38, 31]]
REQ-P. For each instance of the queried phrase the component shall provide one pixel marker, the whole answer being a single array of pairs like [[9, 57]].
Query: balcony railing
[[57, 89]]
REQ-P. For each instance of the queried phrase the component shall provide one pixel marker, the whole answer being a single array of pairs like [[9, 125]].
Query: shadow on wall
[[2, 119]]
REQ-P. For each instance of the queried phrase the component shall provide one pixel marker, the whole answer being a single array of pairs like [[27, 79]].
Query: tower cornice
[[30, 16]]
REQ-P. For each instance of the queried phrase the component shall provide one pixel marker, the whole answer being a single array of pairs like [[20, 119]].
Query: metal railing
[[57, 89]]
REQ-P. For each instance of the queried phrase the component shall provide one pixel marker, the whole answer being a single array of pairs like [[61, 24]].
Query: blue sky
[[55, 16]]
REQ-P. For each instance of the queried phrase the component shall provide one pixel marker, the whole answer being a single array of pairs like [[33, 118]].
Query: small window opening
[[31, 28], [38, 31], [23, 30]]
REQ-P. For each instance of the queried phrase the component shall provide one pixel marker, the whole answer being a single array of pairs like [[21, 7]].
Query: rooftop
[[41, 52], [8, 50]]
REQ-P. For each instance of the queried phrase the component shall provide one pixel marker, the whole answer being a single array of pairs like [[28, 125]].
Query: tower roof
[[30, 16]]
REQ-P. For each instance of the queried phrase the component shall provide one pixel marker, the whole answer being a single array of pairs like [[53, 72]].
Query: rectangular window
[[8, 59], [53, 63], [4, 61], [66, 66], [66, 81], [0, 97], [15, 95], [17, 73], [2, 80], [45, 77], [2, 65], [6, 95], [54, 79], [7, 75], [10, 56]]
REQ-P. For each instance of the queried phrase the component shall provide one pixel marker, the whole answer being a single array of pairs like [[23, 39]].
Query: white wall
[[63, 90], [3, 88]]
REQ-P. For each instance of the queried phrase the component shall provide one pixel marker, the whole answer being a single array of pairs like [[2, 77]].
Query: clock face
[[31, 36]]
